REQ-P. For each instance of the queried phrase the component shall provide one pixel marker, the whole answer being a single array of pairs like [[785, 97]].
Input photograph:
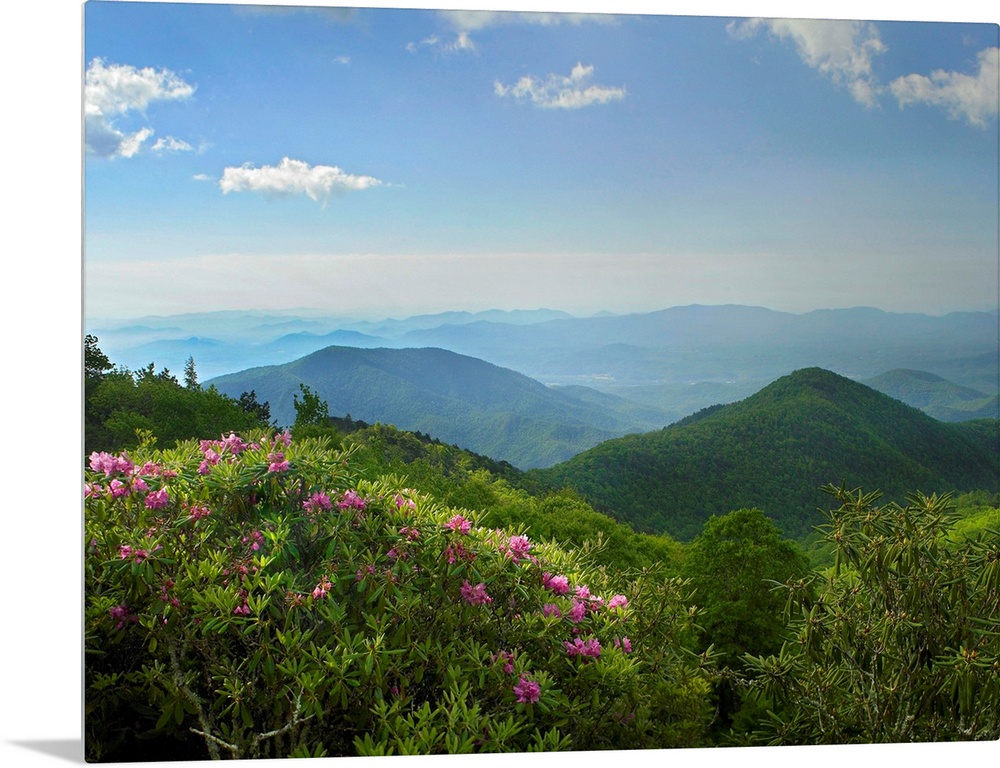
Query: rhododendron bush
[[252, 596]]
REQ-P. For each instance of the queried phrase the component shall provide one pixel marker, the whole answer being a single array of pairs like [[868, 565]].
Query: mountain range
[[674, 361]]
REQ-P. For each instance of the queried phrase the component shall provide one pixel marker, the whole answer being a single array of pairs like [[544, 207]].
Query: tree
[[190, 376], [95, 363], [310, 410], [248, 402], [734, 566]]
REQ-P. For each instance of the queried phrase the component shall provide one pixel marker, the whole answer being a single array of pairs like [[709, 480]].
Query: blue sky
[[381, 162]]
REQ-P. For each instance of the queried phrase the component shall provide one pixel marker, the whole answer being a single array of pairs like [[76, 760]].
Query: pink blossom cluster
[[322, 589], [213, 450], [517, 548], [158, 499], [508, 661], [551, 609], [457, 551], [475, 595], [351, 500], [110, 465], [255, 540], [557, 585], [401, 501], [128, 552], [589, 648], [317, 502], [198, 513], [411, 533], [459, 524], [624, 643], [122, 616], [277, 462], [527, 690]]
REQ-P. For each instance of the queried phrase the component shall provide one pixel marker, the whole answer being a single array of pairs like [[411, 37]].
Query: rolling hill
[[463, 400], [774, 450]]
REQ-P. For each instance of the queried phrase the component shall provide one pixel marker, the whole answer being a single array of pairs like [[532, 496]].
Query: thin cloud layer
[[294, 177], [973, 97], [560, 92], [841, 50], [116, 91], [465, 22]]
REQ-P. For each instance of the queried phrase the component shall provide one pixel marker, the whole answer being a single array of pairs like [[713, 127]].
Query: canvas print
[[474, 381]]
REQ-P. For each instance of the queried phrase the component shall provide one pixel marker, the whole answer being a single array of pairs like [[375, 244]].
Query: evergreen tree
[[190, 376]]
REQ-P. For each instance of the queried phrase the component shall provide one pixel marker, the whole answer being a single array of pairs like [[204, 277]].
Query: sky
[[394, 161]]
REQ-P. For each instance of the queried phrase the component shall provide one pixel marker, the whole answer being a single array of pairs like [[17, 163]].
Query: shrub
[[254, 597]]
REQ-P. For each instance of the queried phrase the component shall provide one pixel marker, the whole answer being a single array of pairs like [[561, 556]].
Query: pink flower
[[577, 612], [139, 485], [551, 609], [475, 595], [285, 437], [277, 462], [401, 502], [618, 601], [582, 592], [92, 489], [518, 547], [558, 585], [578, 647], [118, 489], [158, 499], [459, 524], [625, 644], [197, 513], [507, 658], [527, 690], [351, 500], [234, 443], [317, 502], [322, 589]]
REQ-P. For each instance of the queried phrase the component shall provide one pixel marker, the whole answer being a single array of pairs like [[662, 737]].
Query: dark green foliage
[[773, 451], [734, 565], [190, 375], [118, 403], [249, 403], [903, 642]]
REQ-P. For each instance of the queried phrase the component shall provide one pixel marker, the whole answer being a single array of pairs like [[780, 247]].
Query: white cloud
[[464, 22], [559, 92], [170, 144], [841, 50], [293, 177], [113, 92], [473, 20], [974, 97], [462, 42]]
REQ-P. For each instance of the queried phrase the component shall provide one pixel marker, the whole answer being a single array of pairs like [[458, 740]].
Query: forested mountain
[[480, 406], [937, 396], [774, 450]]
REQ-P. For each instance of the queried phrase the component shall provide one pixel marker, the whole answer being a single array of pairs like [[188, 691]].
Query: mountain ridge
[[773, 450]]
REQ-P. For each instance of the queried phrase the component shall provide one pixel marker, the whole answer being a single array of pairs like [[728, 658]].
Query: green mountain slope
[[463, 400], [773, 451], [936, 396]]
